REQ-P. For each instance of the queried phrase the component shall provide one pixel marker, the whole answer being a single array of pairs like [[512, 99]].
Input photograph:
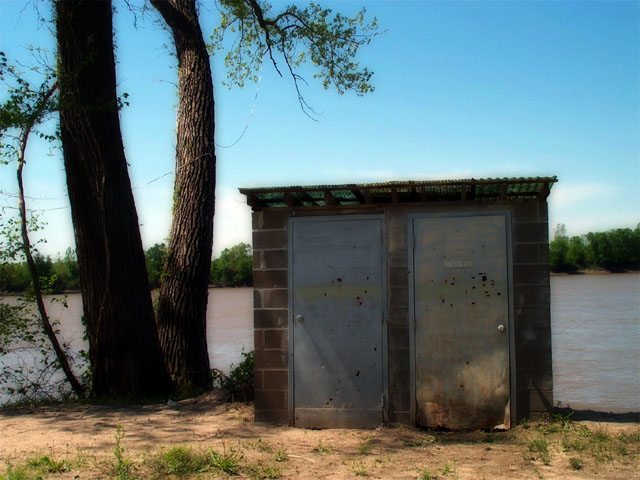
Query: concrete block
[[531, 274], [399, 400], [275, 219], [541, 401], [257, 260], [525, 211], [530, 232], [269, 239], [271, 400], [270, 278], [280, 417], [533, 379], [399, 379], [276, 298], [543, 211], [398, 338], [256, 220], [275, 258], [258, 339], [277, 339], [399, 317], [543, 252], [532, 317], [534, 358], [526, 253], [531, 295], [399, 417], [271, 359], [258, 380], [399, 359], [276, 380], [398, 277], [271, 318], [399, 297], [529, 337]]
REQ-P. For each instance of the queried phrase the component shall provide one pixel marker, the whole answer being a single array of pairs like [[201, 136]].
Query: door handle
[[501, 328]]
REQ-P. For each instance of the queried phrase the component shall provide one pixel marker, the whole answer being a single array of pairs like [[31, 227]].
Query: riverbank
[[592, 272], [162, 441]]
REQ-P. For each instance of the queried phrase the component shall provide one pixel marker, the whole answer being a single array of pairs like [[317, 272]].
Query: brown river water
[[595, 332]]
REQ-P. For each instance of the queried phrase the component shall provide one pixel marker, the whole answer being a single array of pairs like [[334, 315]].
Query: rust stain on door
[[461, 322]]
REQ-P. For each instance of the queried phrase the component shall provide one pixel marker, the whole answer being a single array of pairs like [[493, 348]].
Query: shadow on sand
[[591, 415]]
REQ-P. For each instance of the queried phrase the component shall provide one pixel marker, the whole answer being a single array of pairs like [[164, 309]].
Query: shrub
[[238, 385]]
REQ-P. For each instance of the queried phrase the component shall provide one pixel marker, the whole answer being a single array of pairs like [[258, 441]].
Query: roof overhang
[[398, 192]]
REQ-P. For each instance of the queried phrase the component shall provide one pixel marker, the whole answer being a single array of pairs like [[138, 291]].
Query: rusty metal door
[[337, 299], [461, 312]]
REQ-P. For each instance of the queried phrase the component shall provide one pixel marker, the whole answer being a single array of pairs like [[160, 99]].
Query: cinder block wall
[[270, 315], [530, 260], [531, 292]]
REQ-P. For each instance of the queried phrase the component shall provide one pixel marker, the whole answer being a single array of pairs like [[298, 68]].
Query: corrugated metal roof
[[398, 192]]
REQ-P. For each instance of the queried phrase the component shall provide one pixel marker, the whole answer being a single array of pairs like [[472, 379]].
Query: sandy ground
[[85, 436]]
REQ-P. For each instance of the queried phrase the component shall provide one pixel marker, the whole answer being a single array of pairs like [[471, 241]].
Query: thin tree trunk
[[182, 303], [124, 349], [26, 247]]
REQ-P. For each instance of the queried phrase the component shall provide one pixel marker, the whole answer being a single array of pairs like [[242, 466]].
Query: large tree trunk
[[183, 294], [126, 358]]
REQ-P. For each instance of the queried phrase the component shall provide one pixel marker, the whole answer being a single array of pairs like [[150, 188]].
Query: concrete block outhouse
[[419, 302]]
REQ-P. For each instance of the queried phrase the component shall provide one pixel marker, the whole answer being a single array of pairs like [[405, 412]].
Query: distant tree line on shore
[[233, 268], [614, 250]]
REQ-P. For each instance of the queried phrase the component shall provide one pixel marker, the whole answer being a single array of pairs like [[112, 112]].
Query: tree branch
[[41, 107]]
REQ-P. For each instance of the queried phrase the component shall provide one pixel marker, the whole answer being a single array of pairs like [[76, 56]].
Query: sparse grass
[[540, 448], [629, 438], [412, 442], [418, 441], [575, 463], [447, 469], [184, 462], [575, 444], [358, 469], [261, 446], [353, 454], [179, 461], [262, 471], [123, 467], [427, 475], [322, 448], [35, 468], [595, 445], [48, 465], [18, 472], [365, 447], [280, 455], [598, 444], [490, 437], [224, 462], [564, 421]]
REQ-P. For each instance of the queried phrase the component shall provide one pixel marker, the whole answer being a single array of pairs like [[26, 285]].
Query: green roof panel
[[398, 192]]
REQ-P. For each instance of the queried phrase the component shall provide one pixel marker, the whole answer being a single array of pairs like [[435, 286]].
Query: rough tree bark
[[126, 358], [182, 305]]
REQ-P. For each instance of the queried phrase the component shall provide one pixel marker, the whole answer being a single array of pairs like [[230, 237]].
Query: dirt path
[[84, 437]]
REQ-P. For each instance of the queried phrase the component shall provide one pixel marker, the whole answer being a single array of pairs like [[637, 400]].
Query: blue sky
[[463, 89]]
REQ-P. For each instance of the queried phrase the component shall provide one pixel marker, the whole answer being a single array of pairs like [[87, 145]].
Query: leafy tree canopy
[[291, 38]]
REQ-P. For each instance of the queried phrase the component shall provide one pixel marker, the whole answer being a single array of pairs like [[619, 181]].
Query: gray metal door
[[461, 311], [337, 322]]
